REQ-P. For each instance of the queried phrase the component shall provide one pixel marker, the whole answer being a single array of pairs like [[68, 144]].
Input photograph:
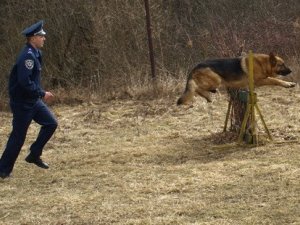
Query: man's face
[[38, 41]]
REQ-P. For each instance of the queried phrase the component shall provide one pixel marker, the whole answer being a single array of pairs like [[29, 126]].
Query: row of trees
[[102, 45]]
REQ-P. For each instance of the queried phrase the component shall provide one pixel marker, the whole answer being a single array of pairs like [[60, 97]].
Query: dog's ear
[[273, 60]]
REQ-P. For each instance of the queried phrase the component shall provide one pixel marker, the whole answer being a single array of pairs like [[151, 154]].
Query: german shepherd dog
[[209, 75]]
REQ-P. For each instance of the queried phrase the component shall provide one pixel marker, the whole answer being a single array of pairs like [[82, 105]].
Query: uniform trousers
[[23, 114]]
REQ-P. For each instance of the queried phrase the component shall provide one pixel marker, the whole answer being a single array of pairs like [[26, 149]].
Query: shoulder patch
[[29, 64]]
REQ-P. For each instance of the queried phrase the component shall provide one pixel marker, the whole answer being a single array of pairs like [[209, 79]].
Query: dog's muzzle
[[284, 72]]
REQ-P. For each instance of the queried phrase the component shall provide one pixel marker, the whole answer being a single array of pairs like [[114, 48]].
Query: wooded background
[[100, 46]]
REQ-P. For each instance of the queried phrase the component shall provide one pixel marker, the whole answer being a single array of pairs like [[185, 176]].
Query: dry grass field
[[151, 162]]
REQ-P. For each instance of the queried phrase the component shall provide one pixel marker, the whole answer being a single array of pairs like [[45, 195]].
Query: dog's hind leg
[[207, 82], [204, 94], [188, 94]]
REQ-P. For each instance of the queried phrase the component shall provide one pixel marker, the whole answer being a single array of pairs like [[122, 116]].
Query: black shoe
[[37, 161], [4, 175]]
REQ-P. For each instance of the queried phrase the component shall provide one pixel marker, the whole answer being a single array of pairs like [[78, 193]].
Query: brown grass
[[151, 162]]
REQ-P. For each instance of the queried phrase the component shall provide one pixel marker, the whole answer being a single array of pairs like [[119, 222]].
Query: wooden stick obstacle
[[249, 116]]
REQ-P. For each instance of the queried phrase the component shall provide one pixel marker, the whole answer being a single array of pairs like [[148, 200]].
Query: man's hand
[[48, 98]]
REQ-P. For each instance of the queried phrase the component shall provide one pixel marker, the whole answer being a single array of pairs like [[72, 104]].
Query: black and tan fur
[[209, 75]]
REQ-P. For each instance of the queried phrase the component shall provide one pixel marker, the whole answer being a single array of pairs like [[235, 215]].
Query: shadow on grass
[[202, 150]]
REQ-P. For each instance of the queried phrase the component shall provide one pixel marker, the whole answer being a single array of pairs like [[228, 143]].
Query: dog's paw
[[289, 84]]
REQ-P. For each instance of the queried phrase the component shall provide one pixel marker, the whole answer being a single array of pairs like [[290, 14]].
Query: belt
[[25, 100]]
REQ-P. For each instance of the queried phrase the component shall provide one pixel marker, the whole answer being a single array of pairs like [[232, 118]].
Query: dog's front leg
[[275, 81]]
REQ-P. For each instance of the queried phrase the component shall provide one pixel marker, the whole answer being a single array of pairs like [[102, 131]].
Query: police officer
[[27, 103]]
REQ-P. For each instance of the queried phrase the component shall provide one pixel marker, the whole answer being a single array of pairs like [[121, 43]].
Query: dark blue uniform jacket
[[25, 77]]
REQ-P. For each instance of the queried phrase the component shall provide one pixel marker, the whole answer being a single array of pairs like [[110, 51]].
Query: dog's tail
[[188, 94]]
